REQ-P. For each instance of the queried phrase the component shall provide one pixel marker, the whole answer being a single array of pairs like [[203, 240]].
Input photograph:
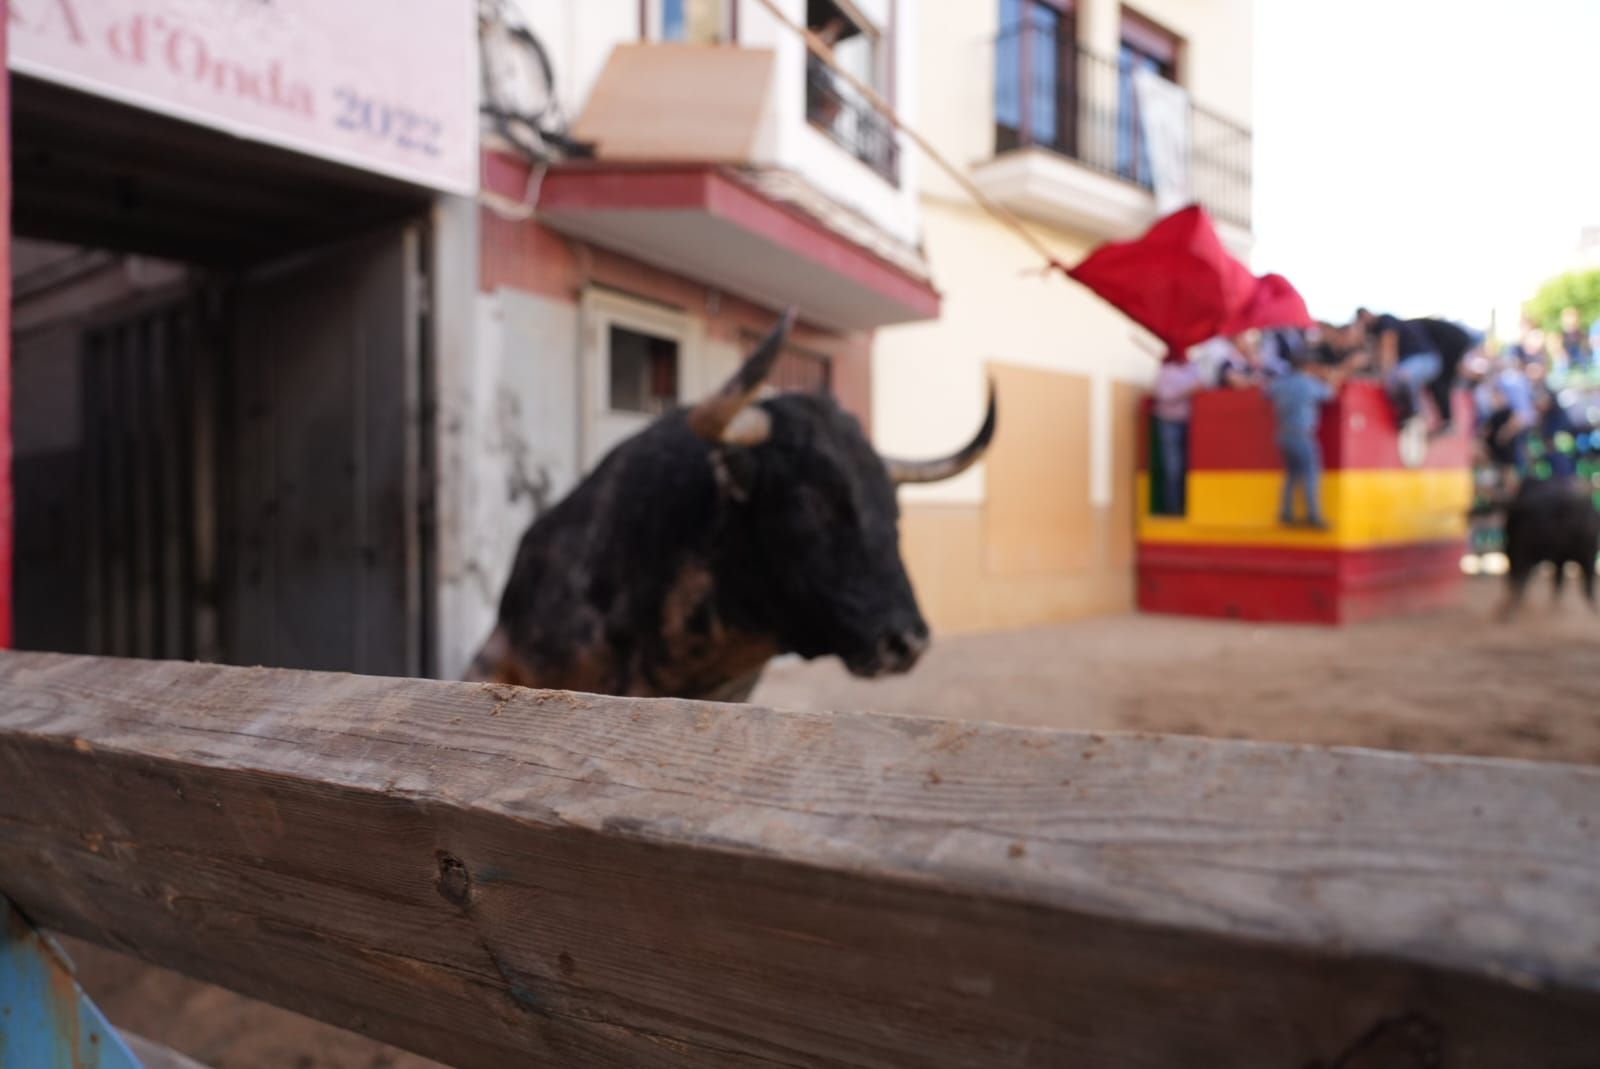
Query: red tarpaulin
[[1275, 303], [1181, 284]]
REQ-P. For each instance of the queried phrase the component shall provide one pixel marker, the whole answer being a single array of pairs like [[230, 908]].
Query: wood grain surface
[[495, 876]]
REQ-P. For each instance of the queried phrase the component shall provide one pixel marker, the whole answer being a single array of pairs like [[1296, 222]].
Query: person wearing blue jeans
[[1176, 384], [1173, 438], [1414, 374], [1407, 358], [1297, 400]]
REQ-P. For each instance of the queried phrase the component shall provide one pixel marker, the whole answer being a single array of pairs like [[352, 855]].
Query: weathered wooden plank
[[493, 876]]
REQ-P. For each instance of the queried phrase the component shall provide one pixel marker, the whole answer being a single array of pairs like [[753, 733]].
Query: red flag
[[1180, 283], [1275, 303]]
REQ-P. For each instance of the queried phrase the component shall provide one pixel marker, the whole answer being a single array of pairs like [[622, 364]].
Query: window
[[854, 40], [833, 105], [1035, 75], [640, 358], [1146, 46], [644, 371], [698, 22]]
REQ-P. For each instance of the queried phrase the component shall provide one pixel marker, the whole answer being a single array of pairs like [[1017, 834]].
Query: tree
[[1575, 289]]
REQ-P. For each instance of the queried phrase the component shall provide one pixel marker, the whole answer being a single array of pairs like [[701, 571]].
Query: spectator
[[1529, 351], [1575, 340], [1476, 371], [1280, 346], [1246, 365], [1217, 358], [824, 103], [1453, 343], [1344, 347], [1558, 434], [1407, 359], [1512, 415], [1297, 400], [1176, 384]]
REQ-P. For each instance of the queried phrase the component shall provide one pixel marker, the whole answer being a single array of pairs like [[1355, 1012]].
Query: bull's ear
[[727, 416]]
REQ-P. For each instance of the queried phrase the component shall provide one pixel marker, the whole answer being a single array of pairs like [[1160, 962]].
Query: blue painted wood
[[46, 1021]]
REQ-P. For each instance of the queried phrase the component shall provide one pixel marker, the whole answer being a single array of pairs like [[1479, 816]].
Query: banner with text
[[384, 85]]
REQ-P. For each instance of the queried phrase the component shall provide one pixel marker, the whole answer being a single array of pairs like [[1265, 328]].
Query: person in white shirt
[[1214, 357]]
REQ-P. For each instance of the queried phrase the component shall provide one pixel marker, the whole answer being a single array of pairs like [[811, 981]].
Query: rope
[[817, 47]]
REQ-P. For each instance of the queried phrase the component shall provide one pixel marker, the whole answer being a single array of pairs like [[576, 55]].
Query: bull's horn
[[723, 417], [931, 471]]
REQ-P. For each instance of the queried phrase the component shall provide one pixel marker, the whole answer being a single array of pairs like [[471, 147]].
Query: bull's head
[[818, 537]]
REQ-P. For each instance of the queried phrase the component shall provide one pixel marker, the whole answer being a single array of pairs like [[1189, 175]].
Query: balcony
[[1070, 146], [686, 176], [840, 112]]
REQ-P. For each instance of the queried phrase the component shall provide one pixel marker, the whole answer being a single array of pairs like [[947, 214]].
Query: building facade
[[302, 349], [1036, 99]]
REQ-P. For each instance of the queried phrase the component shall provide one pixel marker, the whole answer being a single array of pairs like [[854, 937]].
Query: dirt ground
[[1448, 682]]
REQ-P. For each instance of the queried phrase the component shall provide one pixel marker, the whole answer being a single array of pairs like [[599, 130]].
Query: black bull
[[719, 536], [1550, 521]]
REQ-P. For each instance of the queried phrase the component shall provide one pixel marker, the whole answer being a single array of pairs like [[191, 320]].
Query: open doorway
[[219, 391], [107, 351]]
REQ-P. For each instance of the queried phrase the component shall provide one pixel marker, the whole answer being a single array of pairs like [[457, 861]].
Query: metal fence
[[1053, 93], [852, 122], [141, 374]]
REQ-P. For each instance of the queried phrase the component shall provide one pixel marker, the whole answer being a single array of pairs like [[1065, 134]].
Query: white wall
[[955, 87], [1218, 59], [578, 35], [927, 383], [508, 424]]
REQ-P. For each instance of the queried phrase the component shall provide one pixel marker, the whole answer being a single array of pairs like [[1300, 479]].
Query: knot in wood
[[454, 882]]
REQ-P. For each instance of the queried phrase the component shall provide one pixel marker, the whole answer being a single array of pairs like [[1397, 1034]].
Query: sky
[[1425, 157]]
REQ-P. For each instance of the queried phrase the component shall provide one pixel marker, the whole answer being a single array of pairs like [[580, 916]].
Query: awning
[[705, 222]]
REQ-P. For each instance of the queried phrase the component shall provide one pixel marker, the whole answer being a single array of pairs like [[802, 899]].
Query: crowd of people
[[1530, 394], [1518, 409]]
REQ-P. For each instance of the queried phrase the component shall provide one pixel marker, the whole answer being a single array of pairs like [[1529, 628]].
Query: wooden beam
[[493, 876]]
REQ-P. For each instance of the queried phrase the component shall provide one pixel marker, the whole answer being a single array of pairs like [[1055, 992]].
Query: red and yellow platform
[[1396, 534]]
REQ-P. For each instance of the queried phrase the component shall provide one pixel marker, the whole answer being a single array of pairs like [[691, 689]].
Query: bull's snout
[[900, 649]]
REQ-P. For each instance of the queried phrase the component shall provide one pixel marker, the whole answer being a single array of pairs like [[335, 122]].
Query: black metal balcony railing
[[839, 111], [1053, 93]]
